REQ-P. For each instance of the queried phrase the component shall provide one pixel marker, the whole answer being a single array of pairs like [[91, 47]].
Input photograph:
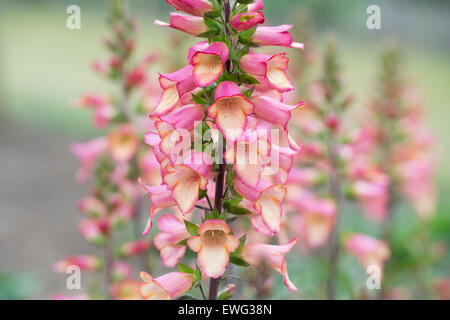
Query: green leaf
[[213, 14], [198, 99], [186, 269], [198, 273], [191, 227], [245, 1], [248, 79], [231, 202], [183, 242], [238, 261], [242, 240], [225, 295], [238, 211], [202, 194], [187, 297], [213, 25], [244, 36]]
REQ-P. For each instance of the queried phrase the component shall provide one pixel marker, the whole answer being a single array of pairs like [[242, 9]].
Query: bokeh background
[[44, 67]]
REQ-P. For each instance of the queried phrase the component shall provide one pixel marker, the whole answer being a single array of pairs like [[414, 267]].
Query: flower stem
[[334, 248]]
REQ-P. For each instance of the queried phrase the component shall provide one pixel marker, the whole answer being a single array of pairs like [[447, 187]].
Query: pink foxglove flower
[[230, 110], [245, 21], [175, 86], [194, 7], [88, 153], [266, 199], [188, 24], [213, 245], [273, 111], [171, 231], [368, 250], [123, 143], [84, 262], [256, 6], [273, 255], [127, 289], [208, 61], [275, 36], [161, 197], [134, 248], [187, 179], [269, 70], [166, 287]]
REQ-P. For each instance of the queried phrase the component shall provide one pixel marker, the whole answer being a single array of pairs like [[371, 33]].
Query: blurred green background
[[44, 67]]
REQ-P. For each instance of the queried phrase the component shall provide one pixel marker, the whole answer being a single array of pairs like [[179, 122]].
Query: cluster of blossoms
[[221, 139], [114, 162]]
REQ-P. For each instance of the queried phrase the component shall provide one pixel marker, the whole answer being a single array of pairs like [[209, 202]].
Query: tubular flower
[[166, 287], [230, 110], [269, 70], [275, 36], [374, 198], [161, 197], [368, 250], [188, 24], [208, 61], [273, 255], [194, 7], [186, 179], [94, 231], [171, 231], [274, 111], [84, 262], [173, 128], [127, 289], [245, 21], [88, 153], [247, 155], [213, 245], [123, 143], [134, 248], [266, 199], [175, 85], [256, 6]]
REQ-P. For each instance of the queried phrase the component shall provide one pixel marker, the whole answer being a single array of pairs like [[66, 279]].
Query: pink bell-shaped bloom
[[208, 61], [175, 127], [245, 21], [316, 219], [273, 255], [269, 70], [175, 86], [94, 231], [171, 231], [247, 156], [186, 179], [369, 251], [194, 7], [92, 207], [123, 143], [166, 287], [230, 110], [373, 197], [127, 289], [149, 167], [213, 245], [121, 270], [267, 199], [84, 262], [134, 248], [192, 25], [273, 111], [161, 198], [275, 36], [258, 5], [88, 154]]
